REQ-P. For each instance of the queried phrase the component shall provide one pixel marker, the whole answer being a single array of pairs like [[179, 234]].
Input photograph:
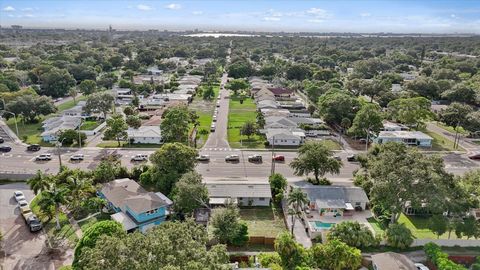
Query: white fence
[[94, 131]]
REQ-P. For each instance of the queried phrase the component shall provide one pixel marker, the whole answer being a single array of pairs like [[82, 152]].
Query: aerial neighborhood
[[185, 149]]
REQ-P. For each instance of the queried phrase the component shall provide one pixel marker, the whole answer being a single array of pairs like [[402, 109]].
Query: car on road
[[351, 158], [475, 156], [203, 158], [139, 157], [421, 266], [214, 118], [33, 147], [337, 158], [77, 157], [19, 196], [22, 203], [43, 157], [5, 148], [212, 127], [2, 140], [255, 158], [232, 158], [278, 158], [218, 104]]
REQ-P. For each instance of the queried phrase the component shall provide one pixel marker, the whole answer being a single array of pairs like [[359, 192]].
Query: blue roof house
[[135, 208]]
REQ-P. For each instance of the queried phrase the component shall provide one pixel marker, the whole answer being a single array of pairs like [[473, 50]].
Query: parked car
[[278, 158], [474, 156], [19, 196], [139, 157], [218, 104], [33, 147], [203, 158], [77, 157], [351, 158], [22, 203], [43, 157], [31, 219], [232, 158], [214, 118], [2, 140], [212, 127], [421, 266], [337, 158], [5, 149], [255, 158]]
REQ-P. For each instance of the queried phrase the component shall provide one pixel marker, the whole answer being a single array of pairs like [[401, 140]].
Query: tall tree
[[455, 115], [278, 185], [367, 121], [227, 227], [336, 104], [175, 124], [53, 198], [315, 157], [336, 255], [99, 102], [116, 128], [30, 107], [410, 111], [248, 129], [236, 85], [56, 82], [190, 193], [291, 253], [353, 234], [40, 182], [133, 121], [296, 200], [87, 87]]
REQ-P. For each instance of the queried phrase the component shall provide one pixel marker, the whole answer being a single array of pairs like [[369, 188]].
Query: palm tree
[[296, 199], [40, 182], [79, 188], [53, 198]]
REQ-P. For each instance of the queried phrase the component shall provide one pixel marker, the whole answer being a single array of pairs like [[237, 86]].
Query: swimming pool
[[318, 225]]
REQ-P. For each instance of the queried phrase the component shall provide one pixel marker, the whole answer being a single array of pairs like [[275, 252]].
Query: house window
[[240, 198], [261, 199], [358, 204]]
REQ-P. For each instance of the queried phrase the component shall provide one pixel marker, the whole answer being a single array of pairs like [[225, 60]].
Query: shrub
[[353, 234], [399, 236], [439, 258], [269, 259]]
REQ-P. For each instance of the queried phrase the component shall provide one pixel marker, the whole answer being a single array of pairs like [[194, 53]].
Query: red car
[[474, 156], [278, 158]]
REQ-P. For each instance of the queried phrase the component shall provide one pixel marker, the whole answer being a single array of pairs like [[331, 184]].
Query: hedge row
[[439, 258]]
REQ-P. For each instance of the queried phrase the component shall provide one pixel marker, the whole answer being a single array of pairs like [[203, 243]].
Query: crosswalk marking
[[218, 149]]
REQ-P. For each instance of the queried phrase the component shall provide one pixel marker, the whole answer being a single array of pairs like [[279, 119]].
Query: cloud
[[27, 9], [197, 12], [318, 13], [144, 7], [453, 15], [271, 19], [173, 6], [8, 8], [365, 15], [29, 15], [316, 21]]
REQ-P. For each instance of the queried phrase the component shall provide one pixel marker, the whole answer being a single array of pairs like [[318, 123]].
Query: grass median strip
[[239, 114]]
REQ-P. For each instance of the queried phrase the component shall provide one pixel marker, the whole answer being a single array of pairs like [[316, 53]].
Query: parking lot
[[23, 249]]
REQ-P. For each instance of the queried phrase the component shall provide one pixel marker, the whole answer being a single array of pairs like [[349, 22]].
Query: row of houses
[[69, 119]]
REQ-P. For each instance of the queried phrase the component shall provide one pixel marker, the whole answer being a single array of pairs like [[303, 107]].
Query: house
[[53, 126], [336, 201], [135, 208], [267, 104], [275, 112], [412, 138], [407, 76], [279, 122], [391, 126], [244, 193], [76, 110], [154, 71], [279, 92], [285, 137], [145, 134], [123, 96], [392, 261], [396, 88]]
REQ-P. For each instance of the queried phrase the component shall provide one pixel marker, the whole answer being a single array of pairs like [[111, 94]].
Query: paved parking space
[[23, 249]]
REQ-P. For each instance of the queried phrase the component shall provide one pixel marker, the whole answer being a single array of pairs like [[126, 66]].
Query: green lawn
[[90, 125], [263, 221], [69, 104], [451, 129], [204, 111], [417, 224], [239, 114], [89, 222], [440, 143], [66, 230], [332, 145]]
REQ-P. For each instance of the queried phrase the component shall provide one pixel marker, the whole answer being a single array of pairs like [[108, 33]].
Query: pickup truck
[[31, 219]]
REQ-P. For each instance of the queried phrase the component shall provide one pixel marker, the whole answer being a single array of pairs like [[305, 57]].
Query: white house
[[390, 126], [54, 125], [413, 138], [76, 110], [285, 137], [145, 134], [244, 193]]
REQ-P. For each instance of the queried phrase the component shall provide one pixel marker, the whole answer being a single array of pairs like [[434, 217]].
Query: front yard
[[239, 114], [263, 221], [84, 225]]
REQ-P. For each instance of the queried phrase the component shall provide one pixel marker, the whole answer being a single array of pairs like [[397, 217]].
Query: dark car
[[2, 140], [352, 158], [33, 147], [278, 158], [34, 223], [5, 149], [475, 156], [255, 158]]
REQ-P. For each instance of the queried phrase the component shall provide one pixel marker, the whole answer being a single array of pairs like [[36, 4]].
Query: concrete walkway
[[299, 229], [78, 230]]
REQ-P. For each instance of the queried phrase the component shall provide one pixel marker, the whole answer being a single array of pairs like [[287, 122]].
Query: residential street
[[469, 147]]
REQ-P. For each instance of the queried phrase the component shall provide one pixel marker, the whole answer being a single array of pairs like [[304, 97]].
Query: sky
[[359, 16]]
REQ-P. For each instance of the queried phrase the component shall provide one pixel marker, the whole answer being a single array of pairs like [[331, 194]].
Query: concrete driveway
[[23, 249]]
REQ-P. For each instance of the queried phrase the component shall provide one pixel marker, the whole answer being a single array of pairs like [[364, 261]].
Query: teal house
[[134, 207]]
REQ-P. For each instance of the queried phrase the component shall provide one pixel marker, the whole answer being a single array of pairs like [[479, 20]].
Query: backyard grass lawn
[[331, 144], [440, 143], [263, 221], [66, 230], [90, 125], [89, 222], [239, 114], [417, 224]]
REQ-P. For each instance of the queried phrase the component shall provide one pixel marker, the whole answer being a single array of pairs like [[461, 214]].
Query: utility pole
[[79, 134], [273, 155]]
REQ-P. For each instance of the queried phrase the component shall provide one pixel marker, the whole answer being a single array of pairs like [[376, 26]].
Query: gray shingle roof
[[239, 190], [335, 196]]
